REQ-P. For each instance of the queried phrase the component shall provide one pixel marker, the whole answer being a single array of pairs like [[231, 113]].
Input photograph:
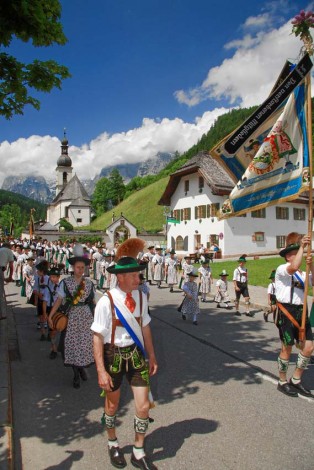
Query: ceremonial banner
[[237, 150], [279, 171]]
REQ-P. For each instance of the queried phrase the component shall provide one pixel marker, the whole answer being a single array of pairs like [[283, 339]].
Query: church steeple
[[64, 168]]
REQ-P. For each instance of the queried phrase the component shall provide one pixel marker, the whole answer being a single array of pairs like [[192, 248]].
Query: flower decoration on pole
[[301, 27]]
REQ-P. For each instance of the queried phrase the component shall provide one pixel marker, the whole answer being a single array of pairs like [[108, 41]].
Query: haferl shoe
[[237, 313], [143, 463], [53, 355], [116, 457], [287, 389], [183, 316], [301, 389], [249, 314]]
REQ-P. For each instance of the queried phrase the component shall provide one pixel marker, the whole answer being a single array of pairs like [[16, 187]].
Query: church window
[[179, 243]]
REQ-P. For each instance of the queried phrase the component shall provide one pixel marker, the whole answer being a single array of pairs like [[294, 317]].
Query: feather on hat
[[130, 247]]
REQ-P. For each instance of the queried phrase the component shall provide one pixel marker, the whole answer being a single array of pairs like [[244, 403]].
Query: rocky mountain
[[44, 191], [34, 187]]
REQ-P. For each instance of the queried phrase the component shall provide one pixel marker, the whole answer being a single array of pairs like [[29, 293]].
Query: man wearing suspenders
[[289, 285], [122, 338]]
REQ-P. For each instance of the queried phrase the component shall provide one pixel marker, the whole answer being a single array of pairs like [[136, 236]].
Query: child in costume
[[271, 295], [222, 290], [190, 305]]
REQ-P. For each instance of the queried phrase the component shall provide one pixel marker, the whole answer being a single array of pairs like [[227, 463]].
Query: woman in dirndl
[[78, 293]]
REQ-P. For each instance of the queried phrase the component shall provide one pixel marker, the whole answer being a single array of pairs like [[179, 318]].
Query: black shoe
[[265, 315], [301, 389], [195, 322], [53, 355], [218, 306], [42, 338], [83, 374], [143, 463], [116, 457], [287, 389], [237, 313], [171, 290], [183, 316], [249, 314]]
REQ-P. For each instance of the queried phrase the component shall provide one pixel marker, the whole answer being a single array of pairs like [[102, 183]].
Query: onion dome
[[64, 159]]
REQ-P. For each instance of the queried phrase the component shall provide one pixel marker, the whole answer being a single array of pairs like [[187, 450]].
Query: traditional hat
[[126, 256], [158, 248], [292, 243], [187, 257], [151, 246], [223, 273], [78, 255], [54, 272], [172, 252], [272, 274], [193, 273], [242, 259], [43, 265]]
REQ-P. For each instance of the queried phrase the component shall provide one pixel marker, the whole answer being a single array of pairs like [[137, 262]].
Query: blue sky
[[147, 76]]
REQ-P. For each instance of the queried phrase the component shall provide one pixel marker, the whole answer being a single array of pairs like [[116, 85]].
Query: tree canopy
[[36, 21]]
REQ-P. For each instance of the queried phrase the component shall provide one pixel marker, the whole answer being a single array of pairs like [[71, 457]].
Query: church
[[71, 202]]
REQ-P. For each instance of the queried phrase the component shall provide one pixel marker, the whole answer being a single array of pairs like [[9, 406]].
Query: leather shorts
[[128, 361]]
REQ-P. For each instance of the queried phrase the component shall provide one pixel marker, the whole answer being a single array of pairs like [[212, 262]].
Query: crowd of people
[[60, 280]]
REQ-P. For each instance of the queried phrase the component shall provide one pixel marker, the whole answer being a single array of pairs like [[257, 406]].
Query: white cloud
[[38, 155], [248, 76], [257, 21]]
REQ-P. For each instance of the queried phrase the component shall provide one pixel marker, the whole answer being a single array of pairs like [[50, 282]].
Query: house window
[[298, 214], [200, 184], [177, 215], [259, 236], [280, 241], [282, 213], [200, 212], [259, 214], [214, 208], [79, 211], [179, 243], [79, 220], [186, 185], [186, 213], [66, 212]]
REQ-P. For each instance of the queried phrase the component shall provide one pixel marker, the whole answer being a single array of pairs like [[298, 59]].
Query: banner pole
[[310, 207]]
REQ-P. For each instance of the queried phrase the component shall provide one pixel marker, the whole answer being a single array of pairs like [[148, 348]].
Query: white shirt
[[102, 323], [283, 286]]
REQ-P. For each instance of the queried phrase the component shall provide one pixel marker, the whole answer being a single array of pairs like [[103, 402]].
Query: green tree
[[36, 20], [11, 213], [101, 196], [66, 225], [117, 188]]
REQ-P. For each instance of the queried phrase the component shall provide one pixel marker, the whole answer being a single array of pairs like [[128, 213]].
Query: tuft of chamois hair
[[293, 238], [130, 247]]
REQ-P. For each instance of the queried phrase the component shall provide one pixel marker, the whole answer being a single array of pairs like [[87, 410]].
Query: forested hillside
[[15, 209]]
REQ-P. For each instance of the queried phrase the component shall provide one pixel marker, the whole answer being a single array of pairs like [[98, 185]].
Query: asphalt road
[[217, 403]]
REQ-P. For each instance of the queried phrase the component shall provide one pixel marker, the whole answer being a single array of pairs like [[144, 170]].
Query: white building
[[196, 192], [72, 201]]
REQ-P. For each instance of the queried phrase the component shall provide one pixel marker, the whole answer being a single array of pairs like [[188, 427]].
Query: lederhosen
[[129, 360], [289, 327], [242, 286]]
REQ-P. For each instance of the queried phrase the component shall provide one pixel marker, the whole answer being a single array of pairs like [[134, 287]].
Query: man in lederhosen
[[289, 285], [122, 334]]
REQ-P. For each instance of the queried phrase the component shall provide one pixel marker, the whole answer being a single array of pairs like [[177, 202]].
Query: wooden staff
[[310, 211]]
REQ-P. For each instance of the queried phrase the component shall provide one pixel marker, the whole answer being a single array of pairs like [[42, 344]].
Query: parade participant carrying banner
[[122, 341], [237, 150]]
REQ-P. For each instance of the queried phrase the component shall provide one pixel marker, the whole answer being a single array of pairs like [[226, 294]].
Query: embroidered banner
[[279, 170], [237, 150]]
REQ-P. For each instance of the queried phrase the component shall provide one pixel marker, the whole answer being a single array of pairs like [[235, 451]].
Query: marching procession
[[61, 280]]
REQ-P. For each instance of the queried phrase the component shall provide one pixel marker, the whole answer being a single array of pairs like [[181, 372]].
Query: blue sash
[[130, 331], [299, 279]]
